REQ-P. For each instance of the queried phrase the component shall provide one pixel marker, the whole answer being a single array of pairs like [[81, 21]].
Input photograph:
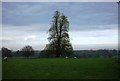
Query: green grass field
[[60, 68]]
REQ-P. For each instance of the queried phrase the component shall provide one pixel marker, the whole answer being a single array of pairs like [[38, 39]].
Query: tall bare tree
[[58, 36]]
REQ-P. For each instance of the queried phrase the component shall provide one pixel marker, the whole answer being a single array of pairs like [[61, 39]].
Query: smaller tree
[[6, 52], [27, 51]]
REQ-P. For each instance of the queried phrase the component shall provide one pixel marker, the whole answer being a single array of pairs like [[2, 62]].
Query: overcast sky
[[92, 25]]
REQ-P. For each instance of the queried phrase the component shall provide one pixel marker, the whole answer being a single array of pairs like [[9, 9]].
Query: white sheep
[[5, 58], [66, 57], [75, 57]]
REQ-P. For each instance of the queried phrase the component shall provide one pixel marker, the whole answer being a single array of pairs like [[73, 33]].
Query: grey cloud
[[93, 27]]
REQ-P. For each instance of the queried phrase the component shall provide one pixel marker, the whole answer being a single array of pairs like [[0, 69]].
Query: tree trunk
[[59, 40], [58, 48], [57, 55]]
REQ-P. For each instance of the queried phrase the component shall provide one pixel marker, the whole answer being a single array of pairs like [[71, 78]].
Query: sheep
[[5, 58], [75, 57], [66, 57]]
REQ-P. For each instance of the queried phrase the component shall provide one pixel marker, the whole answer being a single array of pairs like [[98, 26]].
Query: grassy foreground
[[60, 68]]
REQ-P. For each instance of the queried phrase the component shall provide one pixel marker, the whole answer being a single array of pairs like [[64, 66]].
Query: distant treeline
[[96, 53], [76, 53]]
